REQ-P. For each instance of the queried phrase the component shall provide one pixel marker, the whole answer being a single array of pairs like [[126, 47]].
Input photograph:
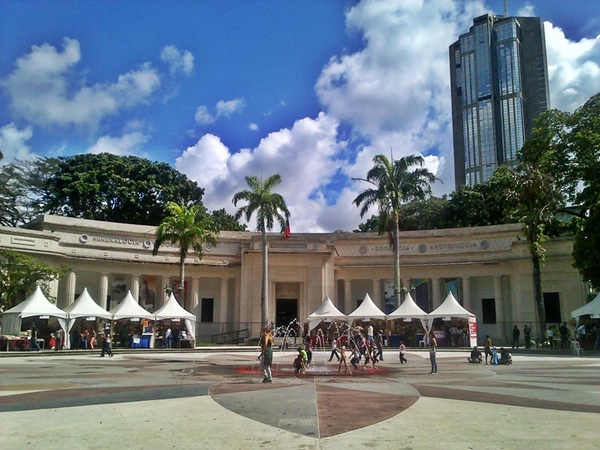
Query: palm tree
[[268, 206], [190, 228], [394, 184]]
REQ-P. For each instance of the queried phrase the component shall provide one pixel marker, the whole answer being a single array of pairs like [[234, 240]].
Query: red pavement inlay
[[341, 410]]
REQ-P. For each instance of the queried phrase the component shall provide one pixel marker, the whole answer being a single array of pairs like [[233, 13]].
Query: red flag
[[287, 232]]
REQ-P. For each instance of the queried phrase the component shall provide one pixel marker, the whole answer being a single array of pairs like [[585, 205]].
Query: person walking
[[266, 362], [516, 335], [564, 336], [432, 353], [33, 345], [334, 350], [379, 343], [487, 347], [106, 344], [403, 353], [527, 333], [343, 360], [169, 338]]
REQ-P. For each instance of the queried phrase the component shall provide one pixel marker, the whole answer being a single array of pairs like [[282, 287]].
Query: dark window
[[488, 308], [552, 307], [207, 312], [286, 311]]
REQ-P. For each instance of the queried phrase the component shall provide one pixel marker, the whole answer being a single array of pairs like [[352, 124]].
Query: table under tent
[[181, 321], [132, 325], [34, 309], [83, 315], [407, 312]]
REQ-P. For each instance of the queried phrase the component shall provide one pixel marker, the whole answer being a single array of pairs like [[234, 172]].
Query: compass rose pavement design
[[218, 399]]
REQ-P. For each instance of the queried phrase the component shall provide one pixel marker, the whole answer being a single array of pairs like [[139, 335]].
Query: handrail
[[230, 337]]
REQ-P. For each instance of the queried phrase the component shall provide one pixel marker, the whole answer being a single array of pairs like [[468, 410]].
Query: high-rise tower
[[499, 85]]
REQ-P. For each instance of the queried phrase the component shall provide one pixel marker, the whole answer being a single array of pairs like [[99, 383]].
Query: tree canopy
[[20, 274], [124, 189]]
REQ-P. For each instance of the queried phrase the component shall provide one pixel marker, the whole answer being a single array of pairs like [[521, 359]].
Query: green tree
[[20, 274], [124, 189], [394, 183], [226, 221], [584, 143], [268, 207], [22, 184], [189, 228]]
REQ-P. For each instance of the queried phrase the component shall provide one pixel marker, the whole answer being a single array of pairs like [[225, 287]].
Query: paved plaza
[[215, 399]]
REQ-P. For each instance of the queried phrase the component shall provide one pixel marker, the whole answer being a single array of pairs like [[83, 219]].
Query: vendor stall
[[173, 313], [84, 309], [131, 330]]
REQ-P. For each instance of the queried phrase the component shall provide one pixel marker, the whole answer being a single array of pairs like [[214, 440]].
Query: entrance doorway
[[286, 310]]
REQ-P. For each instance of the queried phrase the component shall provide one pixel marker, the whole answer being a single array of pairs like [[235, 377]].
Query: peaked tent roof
[[368, 310], [408, 309], [592, 308], [450, 308], [36, 305], [85, 306], [327, 310], [128, 308], [173, 310]]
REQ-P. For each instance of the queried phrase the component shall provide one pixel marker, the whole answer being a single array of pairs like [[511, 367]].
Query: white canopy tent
[[408, 310], [367, 310], [451, 308], [173, 310], [128, 308], [592, 309], [327, 310], [84, 306], [36, 305]]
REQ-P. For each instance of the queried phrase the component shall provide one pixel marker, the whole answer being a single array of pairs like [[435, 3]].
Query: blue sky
[[309, 89]]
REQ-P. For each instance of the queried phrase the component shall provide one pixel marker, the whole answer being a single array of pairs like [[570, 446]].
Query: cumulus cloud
[[44, 89], [203, 116], [574, 68], [304, 156], [223, 108], [13, 143], [177, 60], [229, 107], [253, 127], [127, 144]]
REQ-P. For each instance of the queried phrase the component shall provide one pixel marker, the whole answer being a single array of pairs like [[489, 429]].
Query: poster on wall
[[148, 293], [183, 302], [452, 286], [389, 302], [473, 330]]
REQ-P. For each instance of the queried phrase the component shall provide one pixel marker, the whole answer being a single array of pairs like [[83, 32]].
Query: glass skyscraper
[[499, 85]]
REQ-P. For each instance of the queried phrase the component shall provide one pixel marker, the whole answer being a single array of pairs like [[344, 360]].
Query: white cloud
[[45, 90], [253, 127], [177, 60], [202, 116], [303, 156], [574, 68], [13, 143], [229, 107], [127, 144]]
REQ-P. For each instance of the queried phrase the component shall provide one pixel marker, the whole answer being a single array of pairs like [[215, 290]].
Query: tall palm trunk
[[396, 250], [264, 296]]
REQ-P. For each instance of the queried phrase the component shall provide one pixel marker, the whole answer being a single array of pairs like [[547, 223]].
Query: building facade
[[499, 86], [488, 269]]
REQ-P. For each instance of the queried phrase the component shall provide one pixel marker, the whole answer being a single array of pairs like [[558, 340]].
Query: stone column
[[71, 284], [348, 308], [53, 291], [499, 300], [135, 287], [377, 299], [466, 293], [436, 293], [161, 295], [195, 299], [103, 299], [223, 300]]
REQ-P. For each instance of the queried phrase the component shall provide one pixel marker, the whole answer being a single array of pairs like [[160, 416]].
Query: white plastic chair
[[577, 350]]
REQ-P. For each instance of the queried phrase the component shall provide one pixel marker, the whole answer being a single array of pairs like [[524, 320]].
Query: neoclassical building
[[487, 268]]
